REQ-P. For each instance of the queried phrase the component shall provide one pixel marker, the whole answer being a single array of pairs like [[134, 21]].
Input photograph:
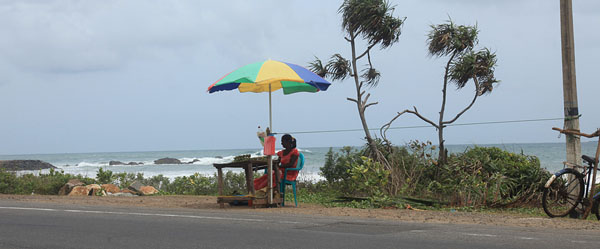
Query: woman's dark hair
[[289, 138]]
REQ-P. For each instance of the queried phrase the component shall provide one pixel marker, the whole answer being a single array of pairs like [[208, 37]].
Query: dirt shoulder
[[419, 216]]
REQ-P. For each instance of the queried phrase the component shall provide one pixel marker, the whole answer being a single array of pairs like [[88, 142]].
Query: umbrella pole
[[270, 158], [270, 116]]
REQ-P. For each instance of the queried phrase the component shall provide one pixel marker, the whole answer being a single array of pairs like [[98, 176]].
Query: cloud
[[81, 36], [87, 36], [51, 37]]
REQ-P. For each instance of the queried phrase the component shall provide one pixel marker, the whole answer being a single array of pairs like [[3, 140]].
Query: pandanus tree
[[456, 42], [373, 22]]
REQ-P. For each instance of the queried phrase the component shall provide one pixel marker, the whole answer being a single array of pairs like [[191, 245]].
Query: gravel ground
[[406, 215]]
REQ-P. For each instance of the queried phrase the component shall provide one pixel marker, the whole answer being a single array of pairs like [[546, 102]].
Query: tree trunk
[[359, 102], [442, 152]]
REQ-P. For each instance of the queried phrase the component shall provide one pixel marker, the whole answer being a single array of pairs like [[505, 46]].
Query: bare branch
[[362, 94], [348, 40], [353, 100], [366, 52], [468, 107], [366, 98], [416, 112], [370, 104], [385, 127]]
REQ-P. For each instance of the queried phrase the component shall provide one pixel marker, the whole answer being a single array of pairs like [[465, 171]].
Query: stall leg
[[277, 182], [220, 179], [251, 177], [249, 184], [270, 180]]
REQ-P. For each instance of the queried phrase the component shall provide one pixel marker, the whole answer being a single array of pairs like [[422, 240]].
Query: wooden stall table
[[249, 167]]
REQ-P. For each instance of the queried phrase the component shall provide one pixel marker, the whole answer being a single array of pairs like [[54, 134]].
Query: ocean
[[551, 156]]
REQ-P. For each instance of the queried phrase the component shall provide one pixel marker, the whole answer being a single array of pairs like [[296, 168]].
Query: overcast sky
[[96, 76]]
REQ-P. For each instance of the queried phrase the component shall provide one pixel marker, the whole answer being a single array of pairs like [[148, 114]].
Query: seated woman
[[288, 158]]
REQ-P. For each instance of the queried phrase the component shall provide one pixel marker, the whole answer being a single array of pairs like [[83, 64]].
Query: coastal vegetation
[[51, 183], [45, 184], [476, 178]]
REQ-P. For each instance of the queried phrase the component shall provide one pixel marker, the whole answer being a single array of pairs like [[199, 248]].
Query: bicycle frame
[[586, 177], [592, 166]]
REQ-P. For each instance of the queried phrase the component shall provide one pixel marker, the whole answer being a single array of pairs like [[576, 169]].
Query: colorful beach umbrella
[[269, 76]]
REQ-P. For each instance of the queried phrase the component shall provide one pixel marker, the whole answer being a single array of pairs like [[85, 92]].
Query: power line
[[425, 126]]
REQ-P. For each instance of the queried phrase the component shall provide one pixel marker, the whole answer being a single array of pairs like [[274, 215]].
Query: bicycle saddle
[[588, 159]]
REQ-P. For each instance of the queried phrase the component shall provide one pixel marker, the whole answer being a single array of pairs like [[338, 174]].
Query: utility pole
[[569, 83]]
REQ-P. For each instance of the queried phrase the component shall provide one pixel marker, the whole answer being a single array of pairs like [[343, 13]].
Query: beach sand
[[404, 215]]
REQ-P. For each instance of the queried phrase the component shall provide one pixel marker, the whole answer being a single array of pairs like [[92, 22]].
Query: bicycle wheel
[[562, 193]]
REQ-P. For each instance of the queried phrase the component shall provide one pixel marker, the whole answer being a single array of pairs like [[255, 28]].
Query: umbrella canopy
[[270, 76]]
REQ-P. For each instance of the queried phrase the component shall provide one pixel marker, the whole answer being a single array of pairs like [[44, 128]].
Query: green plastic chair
[[285, 182]]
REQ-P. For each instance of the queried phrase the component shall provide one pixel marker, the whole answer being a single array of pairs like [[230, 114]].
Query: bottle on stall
[[261, 134]]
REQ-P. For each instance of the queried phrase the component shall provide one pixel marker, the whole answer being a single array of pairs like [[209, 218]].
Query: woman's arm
[[291, 164]]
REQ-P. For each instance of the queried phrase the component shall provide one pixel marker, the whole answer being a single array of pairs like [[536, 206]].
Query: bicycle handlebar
[[574, 132]]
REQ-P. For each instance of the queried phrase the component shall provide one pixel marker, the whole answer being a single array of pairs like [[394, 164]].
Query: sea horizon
[[258, 148]]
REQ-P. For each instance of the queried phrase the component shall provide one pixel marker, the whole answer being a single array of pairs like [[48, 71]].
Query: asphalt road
[[36, 225]]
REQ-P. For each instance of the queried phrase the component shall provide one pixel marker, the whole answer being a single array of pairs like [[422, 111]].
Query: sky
[[108, 76]]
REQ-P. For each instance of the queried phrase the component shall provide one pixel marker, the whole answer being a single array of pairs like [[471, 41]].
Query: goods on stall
[[241, 158], [247, 157], [261, 134]]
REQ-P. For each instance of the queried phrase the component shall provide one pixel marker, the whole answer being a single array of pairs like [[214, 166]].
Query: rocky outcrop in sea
[[167, 160], [113, 163], [15, 165]]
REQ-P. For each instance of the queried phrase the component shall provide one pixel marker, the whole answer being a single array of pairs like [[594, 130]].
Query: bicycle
[[567, 191]]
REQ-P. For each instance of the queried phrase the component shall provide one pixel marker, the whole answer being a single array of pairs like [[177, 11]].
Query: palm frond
[[372, 20], [448, 38], [439, 39], [478, 65], [338, 68], [371, 76], [387, 33], [355, 14], [317, 67]]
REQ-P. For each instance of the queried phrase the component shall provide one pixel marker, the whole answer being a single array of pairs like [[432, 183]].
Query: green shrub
[[337, 165], [43, 184], [337, 168], [369, 177], [411, 166], [51, 183], [490, 177], [234, 183], [160, 182], [9, 183], [123, 180], [195, 184], [406, 173], [478, 177], [104, 176]]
